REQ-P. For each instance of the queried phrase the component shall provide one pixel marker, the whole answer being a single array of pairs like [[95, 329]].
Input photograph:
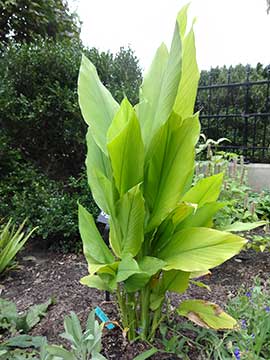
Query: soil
[[41, 275]]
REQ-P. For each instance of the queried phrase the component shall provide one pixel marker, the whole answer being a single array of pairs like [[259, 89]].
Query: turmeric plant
[[140, 165]]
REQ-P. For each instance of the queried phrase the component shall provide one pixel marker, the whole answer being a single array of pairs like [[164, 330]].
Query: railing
[[239, 111]]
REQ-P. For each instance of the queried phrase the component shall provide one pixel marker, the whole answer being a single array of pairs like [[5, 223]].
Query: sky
[[228, 32]]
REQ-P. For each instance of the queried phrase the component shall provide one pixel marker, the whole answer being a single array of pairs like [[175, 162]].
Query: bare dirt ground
[[45, 274]]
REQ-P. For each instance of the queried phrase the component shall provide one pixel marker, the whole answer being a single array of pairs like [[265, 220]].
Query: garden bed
[[45, 274]]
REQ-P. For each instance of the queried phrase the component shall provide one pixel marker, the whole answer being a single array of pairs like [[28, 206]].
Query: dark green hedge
[[38, 99], [42, 140]]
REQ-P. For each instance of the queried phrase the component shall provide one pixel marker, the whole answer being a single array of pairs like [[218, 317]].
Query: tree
[[24, 20]]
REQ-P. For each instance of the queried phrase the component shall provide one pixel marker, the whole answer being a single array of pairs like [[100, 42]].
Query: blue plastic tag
[[103, 317]]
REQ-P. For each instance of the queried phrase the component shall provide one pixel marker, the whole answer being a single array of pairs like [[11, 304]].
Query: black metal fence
[[237, 110]]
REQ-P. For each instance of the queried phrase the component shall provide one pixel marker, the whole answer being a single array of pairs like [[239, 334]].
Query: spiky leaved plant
[[140, 164]]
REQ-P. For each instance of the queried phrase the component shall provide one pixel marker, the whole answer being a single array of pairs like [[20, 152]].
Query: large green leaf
[[205, 191], [126, 148], [199, 249], [159, 89], [94, 247], [173, 280], [182, 20], [182, 211], [240, 226], [187, 91], [167, 227], [127, 267], [127, 227], [148, 265], [150, 94], [169, 163], [137, 274], [95, 281], [206, 314], [97, 104], [98, 174], [203, 217]]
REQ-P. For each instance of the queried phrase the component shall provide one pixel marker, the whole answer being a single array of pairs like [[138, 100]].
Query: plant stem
[[131, 316], [121, 299], [155, 322], [145, 311]]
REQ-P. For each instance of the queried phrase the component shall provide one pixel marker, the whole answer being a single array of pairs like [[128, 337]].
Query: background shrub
[[38, 99], [52, 205], [42, 140]]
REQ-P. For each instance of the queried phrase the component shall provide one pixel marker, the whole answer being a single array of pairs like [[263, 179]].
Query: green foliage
[[42, 141], [259, 242], [38, 99], [262, 204], [23, 20], [140, 165], [250, 340], [51, 205], [11, 242], [84, 345], [243, 208], [18, 348], [252, 310], [12, 322], [146, 354]]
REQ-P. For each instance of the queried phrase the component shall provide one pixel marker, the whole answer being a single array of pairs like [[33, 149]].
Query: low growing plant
[[12, 321], [25, 191], [250, 340], [11, 242], [244, 209], [140, 166], [84, 345]]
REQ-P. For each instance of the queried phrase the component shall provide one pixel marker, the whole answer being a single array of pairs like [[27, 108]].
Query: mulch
[[45, 274]]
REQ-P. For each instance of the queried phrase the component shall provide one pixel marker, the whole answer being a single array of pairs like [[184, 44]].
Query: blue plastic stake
[[103, 317]]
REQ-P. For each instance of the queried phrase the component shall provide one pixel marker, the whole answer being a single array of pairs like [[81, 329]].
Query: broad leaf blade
[[203, 217], [93, 244], [168, 166], [205, 191], [150, 92], [148, 266], [160, 87], [206, 314], [187, 91], [127, 267], [99, 175], [97, 104], [127, 227], [96, 282], [199, 249], [126, 148], [240, 226], [175, 280]]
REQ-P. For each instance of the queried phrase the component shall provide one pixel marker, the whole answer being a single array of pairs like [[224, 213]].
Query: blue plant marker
[[103, 317]]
